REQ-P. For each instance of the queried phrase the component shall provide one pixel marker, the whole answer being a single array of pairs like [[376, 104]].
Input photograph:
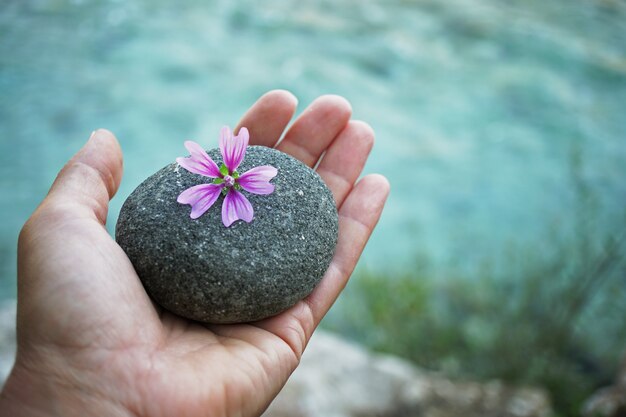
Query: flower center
[[229, 181]]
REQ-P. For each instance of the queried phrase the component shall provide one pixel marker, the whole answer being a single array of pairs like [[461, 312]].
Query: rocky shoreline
[[337, 378]]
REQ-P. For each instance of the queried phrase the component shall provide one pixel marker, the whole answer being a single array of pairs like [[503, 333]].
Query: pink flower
[[226, 179]]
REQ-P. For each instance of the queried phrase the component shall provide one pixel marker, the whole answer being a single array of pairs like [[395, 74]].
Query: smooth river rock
[[207, 272]]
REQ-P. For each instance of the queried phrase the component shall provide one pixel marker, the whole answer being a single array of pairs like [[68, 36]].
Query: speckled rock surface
[[204, 271]]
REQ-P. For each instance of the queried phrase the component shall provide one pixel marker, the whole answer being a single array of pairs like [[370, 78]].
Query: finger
[[343, 162], [268, 117], [71, 273], [90, 179], [316, 128], [357, 218]]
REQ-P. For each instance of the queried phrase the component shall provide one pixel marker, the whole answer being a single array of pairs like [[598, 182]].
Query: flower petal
[[236, 206], [233, 148], [200, 197], [199, 162], [257, 180]]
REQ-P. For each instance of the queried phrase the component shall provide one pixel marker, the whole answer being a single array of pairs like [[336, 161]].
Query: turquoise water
[[478, 105]]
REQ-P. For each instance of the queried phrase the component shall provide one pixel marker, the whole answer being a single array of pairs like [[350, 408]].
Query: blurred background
[[500, 125]]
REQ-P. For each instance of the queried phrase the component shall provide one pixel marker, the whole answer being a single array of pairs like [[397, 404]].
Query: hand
[[91, 342]]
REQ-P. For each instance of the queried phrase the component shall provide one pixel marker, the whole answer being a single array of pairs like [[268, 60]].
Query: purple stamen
[[228, 181]]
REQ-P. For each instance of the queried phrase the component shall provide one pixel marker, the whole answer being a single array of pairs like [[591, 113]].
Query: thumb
[[90, 179]]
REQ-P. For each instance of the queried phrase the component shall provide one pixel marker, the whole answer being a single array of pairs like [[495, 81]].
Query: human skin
[[92, 343]]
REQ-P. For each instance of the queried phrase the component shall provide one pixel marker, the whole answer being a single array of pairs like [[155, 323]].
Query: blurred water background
[[501, 126]]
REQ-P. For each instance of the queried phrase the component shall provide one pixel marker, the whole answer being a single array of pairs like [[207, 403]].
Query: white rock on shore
[[7, 338], [340, 379], [609, 401]]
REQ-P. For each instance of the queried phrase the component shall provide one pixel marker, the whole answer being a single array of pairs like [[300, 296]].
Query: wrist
[[34, 394]]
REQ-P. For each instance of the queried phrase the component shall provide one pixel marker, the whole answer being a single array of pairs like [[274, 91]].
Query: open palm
[[91, 342]]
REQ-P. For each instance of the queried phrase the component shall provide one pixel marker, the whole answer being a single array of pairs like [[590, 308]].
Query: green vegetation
[[547, 330], [548, 318]]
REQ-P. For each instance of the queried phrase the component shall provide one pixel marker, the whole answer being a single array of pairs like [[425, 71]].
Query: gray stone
[[204, 271]]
